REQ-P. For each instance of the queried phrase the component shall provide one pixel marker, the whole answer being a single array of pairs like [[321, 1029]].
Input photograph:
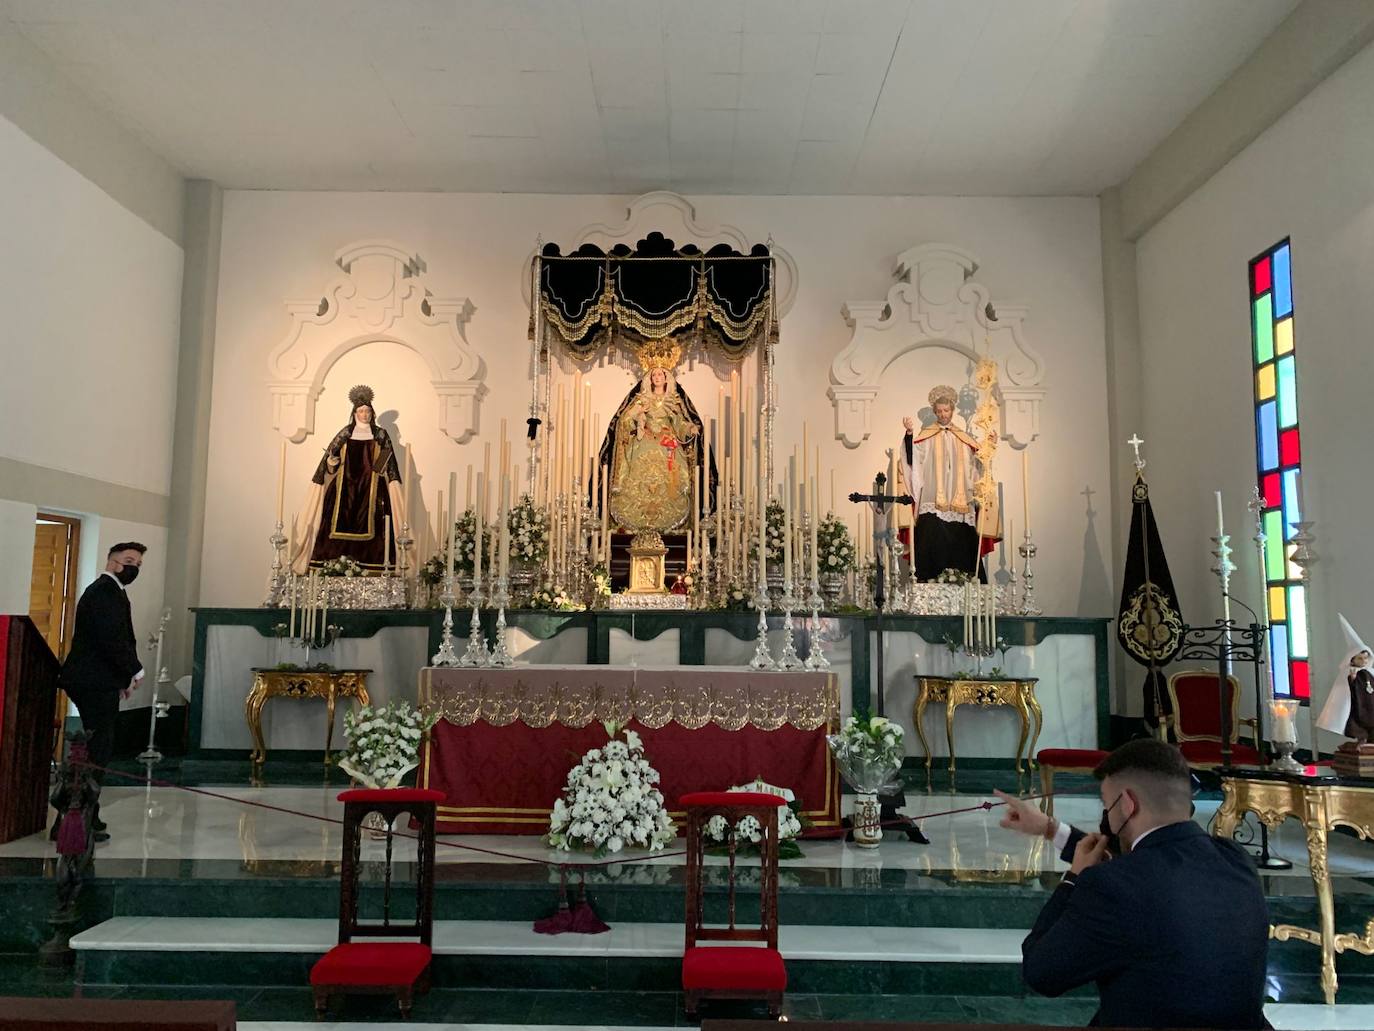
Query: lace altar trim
[[577, 696]]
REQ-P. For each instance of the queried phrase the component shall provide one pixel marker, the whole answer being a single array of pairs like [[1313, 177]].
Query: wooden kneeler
[[399, 968], [732, 971]]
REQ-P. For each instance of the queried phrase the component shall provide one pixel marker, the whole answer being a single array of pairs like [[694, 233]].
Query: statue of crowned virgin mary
[[654, 448]]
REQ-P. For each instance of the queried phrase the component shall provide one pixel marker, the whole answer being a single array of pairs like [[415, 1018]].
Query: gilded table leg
[[252, 711], [950, 706], [1033, 703], [1314, 819], [1024, 712], [1229, 812], [917, 717], [331, 696]]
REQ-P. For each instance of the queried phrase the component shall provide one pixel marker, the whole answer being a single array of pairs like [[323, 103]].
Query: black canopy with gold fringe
[[719, 297]]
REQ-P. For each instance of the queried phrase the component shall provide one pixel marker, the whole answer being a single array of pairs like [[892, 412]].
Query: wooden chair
[[732, 971], [1075, 760], [1196, 720], [375, 967]]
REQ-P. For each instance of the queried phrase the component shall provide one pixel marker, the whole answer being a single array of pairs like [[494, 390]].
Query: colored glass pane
[[1291, 510], [1278, 604], [1297, 621], [1264, 382], [1264, 329], [1262, 277], [1269, 487], [1283, 336], [1290, 447], [1288, 393], [1302, 684], [1283, 283], [1273, 546], [1267, 426], [1278, 655]]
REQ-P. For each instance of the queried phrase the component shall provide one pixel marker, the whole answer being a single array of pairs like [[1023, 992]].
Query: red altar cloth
[[501, 774]]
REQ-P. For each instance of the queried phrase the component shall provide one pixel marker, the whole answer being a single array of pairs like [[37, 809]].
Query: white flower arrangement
[[529, 531], [834, 549], [749, 832], [868, 752], [464, 538], [343, 566], [610, 801], [383, 743], [775, 520], [547, 596]]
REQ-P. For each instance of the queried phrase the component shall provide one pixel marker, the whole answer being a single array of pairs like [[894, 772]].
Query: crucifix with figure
[[881, 503]]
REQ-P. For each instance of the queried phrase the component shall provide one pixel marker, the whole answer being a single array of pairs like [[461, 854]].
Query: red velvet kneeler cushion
[[371, 963], [391, 795], [698, 799], [733, 968], [1070, 758]]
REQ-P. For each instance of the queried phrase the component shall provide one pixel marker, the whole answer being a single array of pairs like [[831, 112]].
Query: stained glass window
[[1279, 459]]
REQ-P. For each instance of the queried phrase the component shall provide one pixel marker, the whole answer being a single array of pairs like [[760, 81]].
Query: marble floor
[[223, 823]]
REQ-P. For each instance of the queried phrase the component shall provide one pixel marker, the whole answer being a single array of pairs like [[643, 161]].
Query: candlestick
[[1025, 489], [815, 532], [281, 479], [291, 634], [788, 504], [407, 487], [1220, 529], [386, 543], [1027, 551]]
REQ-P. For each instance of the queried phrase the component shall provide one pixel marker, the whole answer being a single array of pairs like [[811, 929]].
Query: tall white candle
[[292, 631], [478, 511], [386, 542], [763, 537], [1220, 529], [815, 529], [1025, 488], [788, 513], [407, 478], [281, 479]]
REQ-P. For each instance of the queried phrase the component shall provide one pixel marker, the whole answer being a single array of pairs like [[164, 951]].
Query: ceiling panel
[[729, 96]]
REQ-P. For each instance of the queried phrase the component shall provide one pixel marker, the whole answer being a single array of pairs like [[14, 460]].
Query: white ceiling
[[625, 96]]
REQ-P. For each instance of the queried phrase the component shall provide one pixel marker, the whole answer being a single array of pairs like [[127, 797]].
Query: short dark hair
[[127, 546], [1158, 767]]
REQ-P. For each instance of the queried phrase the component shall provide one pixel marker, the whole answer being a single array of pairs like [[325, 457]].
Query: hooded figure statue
[[1349, 708]]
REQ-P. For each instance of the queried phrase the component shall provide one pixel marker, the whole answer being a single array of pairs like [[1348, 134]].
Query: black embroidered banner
[[721, 297]]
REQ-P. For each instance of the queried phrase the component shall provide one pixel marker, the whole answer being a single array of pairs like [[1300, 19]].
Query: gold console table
[[1321, 803], [329, 684], [1018, 692]]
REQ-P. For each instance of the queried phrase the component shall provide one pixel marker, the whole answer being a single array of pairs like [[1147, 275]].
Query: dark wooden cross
[[882, 503]]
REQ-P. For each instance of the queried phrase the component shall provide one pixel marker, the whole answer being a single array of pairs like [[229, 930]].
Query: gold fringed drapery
[[591, 299]]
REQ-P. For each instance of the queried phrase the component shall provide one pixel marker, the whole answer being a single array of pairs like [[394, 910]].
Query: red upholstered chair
[[753, 971], [1075, 760], [381, 967], [1196, 720]]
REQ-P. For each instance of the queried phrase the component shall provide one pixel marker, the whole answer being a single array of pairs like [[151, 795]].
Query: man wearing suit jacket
[[102, 666], [1174, 929]]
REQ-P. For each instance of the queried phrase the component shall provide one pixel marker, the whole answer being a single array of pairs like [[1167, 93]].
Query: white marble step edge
[[501, 938]]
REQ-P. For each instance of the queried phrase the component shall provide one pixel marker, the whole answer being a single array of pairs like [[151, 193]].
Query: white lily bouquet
[[383, 743], [869, 753], [749, 833], [610, 801]]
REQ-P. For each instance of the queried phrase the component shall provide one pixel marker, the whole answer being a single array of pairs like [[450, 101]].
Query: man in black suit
[[102, 666], [1174, 929]]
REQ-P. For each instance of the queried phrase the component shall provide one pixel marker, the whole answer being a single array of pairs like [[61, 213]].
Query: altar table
[[506, 738], [1322, 802]]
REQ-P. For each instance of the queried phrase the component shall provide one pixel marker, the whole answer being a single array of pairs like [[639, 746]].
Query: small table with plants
[[291, 681], [982, 691]]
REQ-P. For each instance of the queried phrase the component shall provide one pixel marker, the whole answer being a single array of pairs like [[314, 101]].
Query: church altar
[[705, 728], [1068, 655]]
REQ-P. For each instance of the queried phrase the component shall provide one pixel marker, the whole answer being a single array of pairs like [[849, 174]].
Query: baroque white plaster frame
[[380, 296], [935, 302]]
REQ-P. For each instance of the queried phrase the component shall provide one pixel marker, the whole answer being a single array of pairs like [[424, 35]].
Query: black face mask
[[1113, 840], [127, 575]]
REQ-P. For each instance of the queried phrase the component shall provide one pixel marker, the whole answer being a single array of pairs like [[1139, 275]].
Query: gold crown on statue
[[659, 354], [942, 395], [360, 395]]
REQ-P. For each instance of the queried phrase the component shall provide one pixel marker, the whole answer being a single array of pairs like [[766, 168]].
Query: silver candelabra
[[150, 754], [816, 661], [277, 584], [1027, 552], [789, 659], [763, 658], [500, 656], [446, 655]]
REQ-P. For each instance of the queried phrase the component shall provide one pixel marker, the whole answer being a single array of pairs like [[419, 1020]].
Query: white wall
[[91, 295], [1308, 178], [277, 246], [17, 528]]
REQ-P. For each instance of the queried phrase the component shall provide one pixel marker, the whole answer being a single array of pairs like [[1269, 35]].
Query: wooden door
[[52, 592]]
